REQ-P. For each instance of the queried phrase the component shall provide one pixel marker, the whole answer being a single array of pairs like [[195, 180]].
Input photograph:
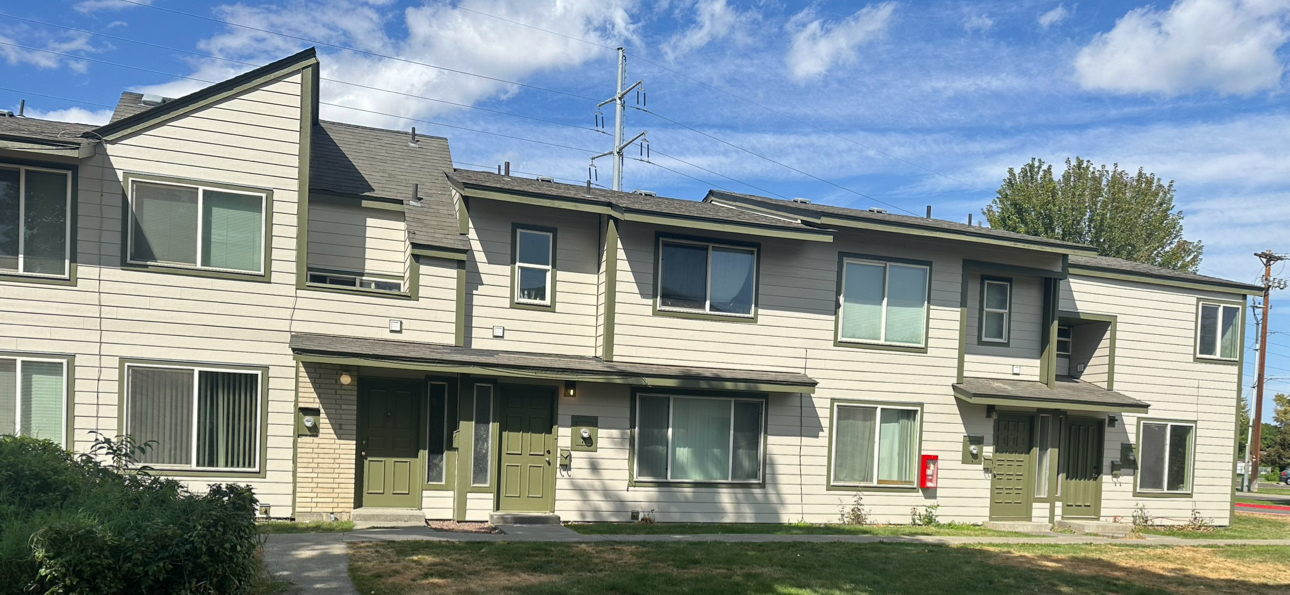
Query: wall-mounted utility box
[[971, 443], [584, 432], [987, 462], [307, 421], [566, 459]]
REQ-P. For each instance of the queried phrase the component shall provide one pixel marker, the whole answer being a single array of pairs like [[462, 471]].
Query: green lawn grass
[[267, 527], [1244, 526], [717, 568], [779, 529]]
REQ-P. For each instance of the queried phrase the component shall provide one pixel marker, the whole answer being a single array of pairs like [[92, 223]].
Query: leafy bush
[[924, 518], [71, 525], [853, 513]]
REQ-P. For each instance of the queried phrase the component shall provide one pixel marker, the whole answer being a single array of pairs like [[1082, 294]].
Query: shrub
[[924, 518], [71, 525], [853, 513]]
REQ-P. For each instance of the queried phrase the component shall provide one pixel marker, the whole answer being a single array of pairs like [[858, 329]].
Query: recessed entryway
[[389, 446]]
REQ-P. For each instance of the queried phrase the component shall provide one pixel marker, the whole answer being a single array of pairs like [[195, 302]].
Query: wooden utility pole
[[1256, 441]]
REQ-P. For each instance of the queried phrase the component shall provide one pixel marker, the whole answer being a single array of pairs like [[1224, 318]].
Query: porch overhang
[[447, 359], [1067, 394]]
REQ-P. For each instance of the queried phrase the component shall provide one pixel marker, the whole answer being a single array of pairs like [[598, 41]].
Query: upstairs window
[[1064, 341], [33, 397], [358, 280], [196, 227], [534, 266], [1218, 332], [1164, 456], [996, 306], [707, 278], [883, 303], [35, 225]]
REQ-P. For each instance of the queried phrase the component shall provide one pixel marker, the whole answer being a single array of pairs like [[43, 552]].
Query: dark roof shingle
[[44, 131], [1068, 392], [354, 160], [131, 103], [1118, 264]]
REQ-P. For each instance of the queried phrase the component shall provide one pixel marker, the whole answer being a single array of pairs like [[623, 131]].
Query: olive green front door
[[1012, 479], [389, 452], [527, 467], [1082, 486]]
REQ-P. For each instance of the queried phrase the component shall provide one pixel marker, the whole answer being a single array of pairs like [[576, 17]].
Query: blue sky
[[897, 104]]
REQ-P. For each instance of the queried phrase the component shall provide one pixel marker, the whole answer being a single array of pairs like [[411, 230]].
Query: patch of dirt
[[465, 527], [1184, 570]]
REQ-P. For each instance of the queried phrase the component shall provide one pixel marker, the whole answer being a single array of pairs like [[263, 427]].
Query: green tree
[[1277, 446], [1121, 214]]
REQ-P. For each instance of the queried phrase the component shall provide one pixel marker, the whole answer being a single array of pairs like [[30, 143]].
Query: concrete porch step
[[1096, 527], [368, 518], [1018, 526], [523, 518]]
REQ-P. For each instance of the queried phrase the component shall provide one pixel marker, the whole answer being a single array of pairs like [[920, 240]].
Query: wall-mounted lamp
[[346, 379], [570, 389], [990, 412], [1110, 421]]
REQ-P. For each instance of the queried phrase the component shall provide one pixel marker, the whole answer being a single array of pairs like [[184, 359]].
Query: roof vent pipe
[[929, 211], [413, 143], [969, 218], [22, 109], [506, 168]]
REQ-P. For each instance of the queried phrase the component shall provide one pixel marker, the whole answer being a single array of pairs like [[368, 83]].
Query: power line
[[534, 27], [758, 188], [56, 97], [359, 51]]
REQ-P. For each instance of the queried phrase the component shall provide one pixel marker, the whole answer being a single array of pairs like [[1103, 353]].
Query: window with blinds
[[35, 221], [195, 418], [703, 439], [33, 398], [196, 227], [874, 445], [883, 303]]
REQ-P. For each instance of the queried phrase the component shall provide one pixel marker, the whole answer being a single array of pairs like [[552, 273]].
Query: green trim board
[[463, 211], [308, 118], [611, 289], [207, 96], [1191, 459], [1120, 275], [462, 444], [727, 226], [1048, 332], [1195, 340], [263, 438], [660, 237], [516, 228], [1004, 401], [557, 374], [74, 177], [127, 220], [459, 317], [632, 481], [838, 297], [828, 471], [1113, 321], [433, 252], [980, 313]]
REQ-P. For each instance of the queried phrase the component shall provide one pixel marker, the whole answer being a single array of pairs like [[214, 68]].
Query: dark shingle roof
[[1127, 266], [130, 104], [627, 200], [44, 131], [901, 220], [575, 367], [1069, 392], [371, 162]]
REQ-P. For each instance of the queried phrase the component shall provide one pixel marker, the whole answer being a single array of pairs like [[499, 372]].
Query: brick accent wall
[[325, 463]]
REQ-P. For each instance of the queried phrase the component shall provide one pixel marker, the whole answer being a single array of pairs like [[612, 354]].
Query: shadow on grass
[[809, 568]]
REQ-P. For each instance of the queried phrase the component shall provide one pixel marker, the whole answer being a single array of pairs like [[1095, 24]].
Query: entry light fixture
[[990, 412], [570, 389], [346, 379], [1110, 421]]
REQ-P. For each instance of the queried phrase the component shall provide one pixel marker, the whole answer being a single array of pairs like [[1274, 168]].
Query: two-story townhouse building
[[335, 315]]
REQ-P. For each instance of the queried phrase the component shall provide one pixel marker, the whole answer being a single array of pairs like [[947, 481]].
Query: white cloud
[[714, 20], [1230, 46], [818, 46], [72, 114], [1055, 16], [977, 22], [92, 6], [68, 43]]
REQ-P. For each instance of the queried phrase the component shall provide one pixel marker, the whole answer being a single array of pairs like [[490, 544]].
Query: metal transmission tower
[[1256, 441], [620, 121]]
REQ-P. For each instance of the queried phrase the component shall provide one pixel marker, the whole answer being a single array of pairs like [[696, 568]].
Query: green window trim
[[129, 184], [1006, 312], [1138, 490], [705, 313], [259, 450], [68, 275], [1223, 306], [68, 364], [518, 302], [875, 486], [886, 261], [734, 397]]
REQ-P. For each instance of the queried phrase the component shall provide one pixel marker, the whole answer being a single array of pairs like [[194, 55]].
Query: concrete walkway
[[318, 562]]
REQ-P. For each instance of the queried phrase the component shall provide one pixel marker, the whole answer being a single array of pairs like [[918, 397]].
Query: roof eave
[[1141, 277], [1002, 400]]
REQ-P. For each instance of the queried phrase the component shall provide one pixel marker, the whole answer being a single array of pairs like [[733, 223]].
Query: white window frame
[[446, 434], [671, 410], [1218, 331], [201, 202], [886, 286], [877, 442], [358, 280], [986, 309], [707, 285], [1191, 457], [196, 370], [549, 268], [22, 222], [17, 410], [1069, 340]]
